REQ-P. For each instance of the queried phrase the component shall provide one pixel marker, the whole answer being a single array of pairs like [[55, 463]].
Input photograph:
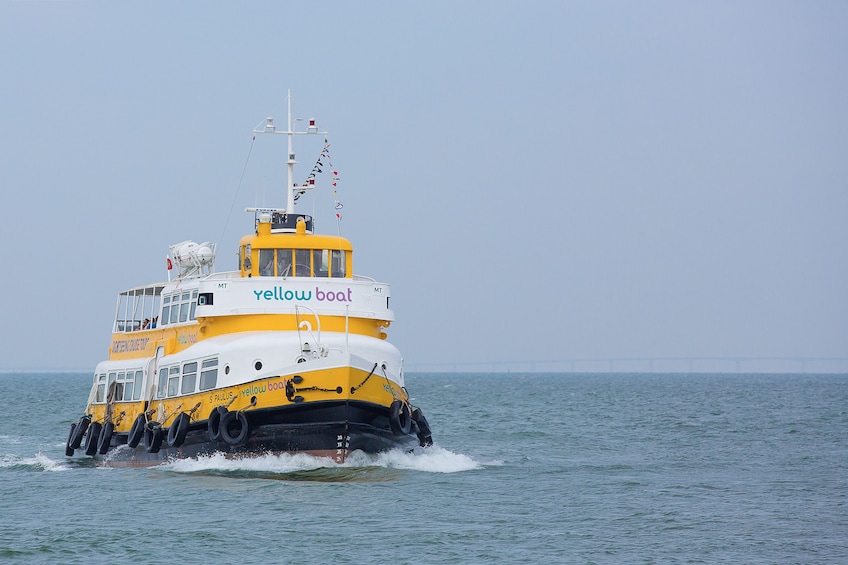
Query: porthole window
[[258, 365]]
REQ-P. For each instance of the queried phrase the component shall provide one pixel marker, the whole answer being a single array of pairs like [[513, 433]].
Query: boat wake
[[359, 466], [39, 462]]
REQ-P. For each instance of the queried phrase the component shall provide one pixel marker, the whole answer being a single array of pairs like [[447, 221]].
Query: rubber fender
[[104, 441], [425, 436], [79, 432], [235, 428], [92, 437], [400, 419], [213, 425], [178, 430], [136, 431], [153, 437], [69, 451]]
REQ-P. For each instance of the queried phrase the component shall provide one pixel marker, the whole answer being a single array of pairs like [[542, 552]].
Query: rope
[[238, 188], [353, 389]]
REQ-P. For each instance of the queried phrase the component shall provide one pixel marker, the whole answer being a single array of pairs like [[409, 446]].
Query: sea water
[[526, 468]]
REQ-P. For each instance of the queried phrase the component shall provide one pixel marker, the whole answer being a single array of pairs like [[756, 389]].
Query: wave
[[358, 467], [39, 462]]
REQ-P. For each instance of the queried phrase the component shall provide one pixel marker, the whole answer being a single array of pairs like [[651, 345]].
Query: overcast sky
[[536, 180]]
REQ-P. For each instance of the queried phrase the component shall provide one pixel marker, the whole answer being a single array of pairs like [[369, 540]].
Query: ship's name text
[[279, 293]]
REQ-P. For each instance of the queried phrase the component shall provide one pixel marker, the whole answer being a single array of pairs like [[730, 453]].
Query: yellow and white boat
[[288, 353]]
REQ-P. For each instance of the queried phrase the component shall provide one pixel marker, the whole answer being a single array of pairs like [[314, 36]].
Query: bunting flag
[[323, 162]]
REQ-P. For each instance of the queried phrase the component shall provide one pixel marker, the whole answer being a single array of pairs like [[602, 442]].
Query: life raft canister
[[400, 419]]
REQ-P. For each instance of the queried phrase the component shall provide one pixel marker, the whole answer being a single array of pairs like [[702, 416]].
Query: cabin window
[[301, 263], [166, 309], [126, 387], [163, 382], [266, 262], [136, 391], [119, 387], [189, 378], [185, 306], [100, 394], [209, 374], [284, 262], [178, 308], [174, 381]]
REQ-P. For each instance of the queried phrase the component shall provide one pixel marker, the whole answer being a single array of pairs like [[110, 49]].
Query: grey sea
[[526, 468]]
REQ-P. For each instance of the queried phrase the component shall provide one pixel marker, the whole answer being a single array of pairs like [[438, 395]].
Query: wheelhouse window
[[338, 263], [301, 263], [266, 262], [284, 262]]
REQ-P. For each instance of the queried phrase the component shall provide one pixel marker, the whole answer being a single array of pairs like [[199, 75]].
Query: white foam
[[39, 461], [431, 460]]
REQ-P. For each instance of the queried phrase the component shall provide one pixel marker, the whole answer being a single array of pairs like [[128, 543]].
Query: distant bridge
[[643, 365]]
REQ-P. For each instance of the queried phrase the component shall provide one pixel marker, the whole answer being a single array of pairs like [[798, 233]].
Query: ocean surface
[[526, 468]]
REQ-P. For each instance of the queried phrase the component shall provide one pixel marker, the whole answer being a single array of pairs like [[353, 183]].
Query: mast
[[291, 131]]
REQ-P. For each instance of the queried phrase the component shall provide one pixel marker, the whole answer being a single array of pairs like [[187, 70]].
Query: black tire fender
[[104, 441], [234, 428], [91, 438], [79, 432], [400, 419], [425, 435], [69, 451], [213, 425], [137, 431], [178, 430], [153, 437]]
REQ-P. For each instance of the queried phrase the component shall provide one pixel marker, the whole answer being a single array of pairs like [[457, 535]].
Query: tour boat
[[287, 353]]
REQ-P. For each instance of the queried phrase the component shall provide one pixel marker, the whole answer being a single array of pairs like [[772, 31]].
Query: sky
[[539, 182]]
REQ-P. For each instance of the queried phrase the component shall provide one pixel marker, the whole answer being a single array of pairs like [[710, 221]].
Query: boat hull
[[323, 429]]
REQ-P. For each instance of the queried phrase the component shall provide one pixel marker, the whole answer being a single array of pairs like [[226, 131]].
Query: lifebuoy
[[92, 437], [69, 451], [399, 418], [105, 439], [178, 430], [234, 428], [153, 437], [137, 431], [79, 432]]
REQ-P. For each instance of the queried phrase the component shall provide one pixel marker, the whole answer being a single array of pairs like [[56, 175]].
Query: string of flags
[[324, 160]]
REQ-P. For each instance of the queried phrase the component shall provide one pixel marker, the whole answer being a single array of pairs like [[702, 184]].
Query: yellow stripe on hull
[[316, 386], [143, 344]]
